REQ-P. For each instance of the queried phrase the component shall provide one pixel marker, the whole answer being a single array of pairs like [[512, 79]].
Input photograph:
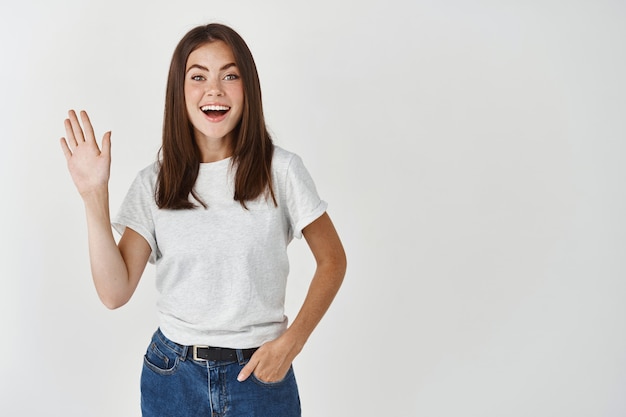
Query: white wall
[[472, 155]]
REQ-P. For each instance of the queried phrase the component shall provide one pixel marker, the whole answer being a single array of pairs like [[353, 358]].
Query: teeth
[[214, 108]]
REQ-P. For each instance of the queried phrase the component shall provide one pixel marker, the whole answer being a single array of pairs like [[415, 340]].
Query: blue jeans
[[175, 385]]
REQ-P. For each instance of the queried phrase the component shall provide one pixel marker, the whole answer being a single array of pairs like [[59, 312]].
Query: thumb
[[247, 370], [106, 143]]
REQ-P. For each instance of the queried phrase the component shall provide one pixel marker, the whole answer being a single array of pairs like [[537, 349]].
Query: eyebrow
[[203, 68]]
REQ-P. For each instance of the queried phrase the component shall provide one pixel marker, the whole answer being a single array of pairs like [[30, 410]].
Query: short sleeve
[[137, 210], [303, 202]]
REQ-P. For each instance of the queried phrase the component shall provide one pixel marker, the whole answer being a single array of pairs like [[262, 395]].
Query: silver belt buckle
[[195, 352]]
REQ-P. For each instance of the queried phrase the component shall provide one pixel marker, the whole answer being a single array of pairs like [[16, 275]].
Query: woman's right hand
[[89, 165]]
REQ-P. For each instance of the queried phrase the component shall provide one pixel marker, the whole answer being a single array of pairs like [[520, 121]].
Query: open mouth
[[215, 110]]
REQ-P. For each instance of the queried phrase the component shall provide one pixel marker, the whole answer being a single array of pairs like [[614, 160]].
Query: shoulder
[[149, 172], [146, 178], [284, 159], [281, 155], [289, 167]]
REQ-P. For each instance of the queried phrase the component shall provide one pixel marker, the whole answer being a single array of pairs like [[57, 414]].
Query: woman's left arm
[[272, 361]]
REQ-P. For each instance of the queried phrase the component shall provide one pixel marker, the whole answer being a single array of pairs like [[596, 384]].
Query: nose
[[214, 88]]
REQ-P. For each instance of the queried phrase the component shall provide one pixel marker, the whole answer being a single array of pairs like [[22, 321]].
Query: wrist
[[95, 194], [96, 200], [295, 339]]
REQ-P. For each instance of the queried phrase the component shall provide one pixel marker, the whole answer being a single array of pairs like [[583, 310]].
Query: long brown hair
[[179, 154]]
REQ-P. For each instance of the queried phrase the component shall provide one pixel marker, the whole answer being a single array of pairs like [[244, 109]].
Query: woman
[[215, 214]]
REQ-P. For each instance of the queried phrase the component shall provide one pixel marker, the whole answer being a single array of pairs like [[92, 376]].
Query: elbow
[[112, 303], [341, 264], [342, 260], [338, 265], [112, 306], [344, 268], [112, 291]]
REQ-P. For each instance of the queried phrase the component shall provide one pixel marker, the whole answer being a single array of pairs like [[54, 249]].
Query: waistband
[[206, 353]]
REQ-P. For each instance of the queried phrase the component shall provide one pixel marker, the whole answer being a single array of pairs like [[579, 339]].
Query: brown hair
[[179, 154]]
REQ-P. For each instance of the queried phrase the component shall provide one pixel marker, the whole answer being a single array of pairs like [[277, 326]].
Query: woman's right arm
[[115, 268]]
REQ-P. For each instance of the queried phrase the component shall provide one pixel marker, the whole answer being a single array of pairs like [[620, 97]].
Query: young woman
[[215, 214]]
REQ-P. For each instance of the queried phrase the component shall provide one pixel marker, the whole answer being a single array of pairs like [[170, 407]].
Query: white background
[[472, 153]]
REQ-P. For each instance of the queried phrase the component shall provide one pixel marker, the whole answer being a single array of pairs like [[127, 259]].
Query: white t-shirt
[[221, 272]]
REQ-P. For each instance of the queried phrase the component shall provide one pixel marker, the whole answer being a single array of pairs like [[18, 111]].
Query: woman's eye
[[230, 77], [197, 77]]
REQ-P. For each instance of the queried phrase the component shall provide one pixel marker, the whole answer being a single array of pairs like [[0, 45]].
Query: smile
[[214, 110]]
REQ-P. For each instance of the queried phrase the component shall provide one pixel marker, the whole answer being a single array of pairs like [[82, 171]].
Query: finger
[[76, 128], [71, 140], [88, 128], [66, 149], [247, 370]]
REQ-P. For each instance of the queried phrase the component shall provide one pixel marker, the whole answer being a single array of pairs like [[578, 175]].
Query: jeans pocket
[[160, 359], [288, 376]]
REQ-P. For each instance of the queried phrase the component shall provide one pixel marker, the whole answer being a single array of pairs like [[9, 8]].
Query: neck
[[213, 150]]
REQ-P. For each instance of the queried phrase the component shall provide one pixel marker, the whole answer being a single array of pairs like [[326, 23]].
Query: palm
[[89, 165]]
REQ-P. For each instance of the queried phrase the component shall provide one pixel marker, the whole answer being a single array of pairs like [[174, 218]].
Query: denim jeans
[[175, 385]]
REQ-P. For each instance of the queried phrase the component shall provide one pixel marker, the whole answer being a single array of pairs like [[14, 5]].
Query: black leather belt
[[206, 353]]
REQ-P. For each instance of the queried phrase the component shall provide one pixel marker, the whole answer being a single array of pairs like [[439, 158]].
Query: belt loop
[[185, 352], [240, 357]]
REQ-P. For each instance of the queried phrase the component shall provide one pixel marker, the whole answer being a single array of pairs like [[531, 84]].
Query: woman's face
[[214, 94]]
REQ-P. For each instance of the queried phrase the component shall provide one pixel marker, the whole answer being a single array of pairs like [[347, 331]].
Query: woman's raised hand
[[89, 165]]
